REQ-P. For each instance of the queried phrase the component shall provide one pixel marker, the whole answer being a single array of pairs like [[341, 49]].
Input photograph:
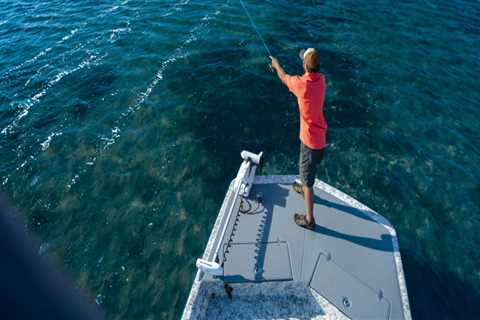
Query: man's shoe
[[301, 221], [298, 188]]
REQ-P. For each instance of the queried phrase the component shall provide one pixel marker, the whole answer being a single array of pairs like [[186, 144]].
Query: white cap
[[303, 52]]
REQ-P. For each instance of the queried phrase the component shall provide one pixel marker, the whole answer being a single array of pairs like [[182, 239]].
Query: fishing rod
[[255, 28]]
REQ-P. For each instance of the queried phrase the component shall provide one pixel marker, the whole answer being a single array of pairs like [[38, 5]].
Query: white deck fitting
[[281, 299]]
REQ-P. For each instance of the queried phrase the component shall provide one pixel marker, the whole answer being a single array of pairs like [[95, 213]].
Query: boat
[[258, 264]]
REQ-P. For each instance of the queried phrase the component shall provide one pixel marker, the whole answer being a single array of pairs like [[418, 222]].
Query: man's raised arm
[[278, 68]]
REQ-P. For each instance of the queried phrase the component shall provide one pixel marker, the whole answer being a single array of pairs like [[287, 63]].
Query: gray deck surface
[[348, 258]]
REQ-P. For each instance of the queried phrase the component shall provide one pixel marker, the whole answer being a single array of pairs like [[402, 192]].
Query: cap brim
[[301, 54]]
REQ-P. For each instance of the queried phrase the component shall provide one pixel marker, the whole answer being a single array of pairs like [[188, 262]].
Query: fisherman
[[310, 92]]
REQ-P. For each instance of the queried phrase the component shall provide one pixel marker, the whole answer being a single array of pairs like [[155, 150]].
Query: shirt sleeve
[[292, 82]]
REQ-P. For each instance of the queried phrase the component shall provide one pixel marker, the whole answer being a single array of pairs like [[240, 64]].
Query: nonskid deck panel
[[348, 258], [353, 253]]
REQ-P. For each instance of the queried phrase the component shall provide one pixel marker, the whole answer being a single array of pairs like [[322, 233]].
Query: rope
[[255, 27]]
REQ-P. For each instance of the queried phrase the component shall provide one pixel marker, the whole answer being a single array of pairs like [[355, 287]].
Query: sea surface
[[121, 124]]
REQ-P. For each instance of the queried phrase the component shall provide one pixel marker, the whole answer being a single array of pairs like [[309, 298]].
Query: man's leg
[[307, 177], [316, 157], [308, 195], [308, 166]]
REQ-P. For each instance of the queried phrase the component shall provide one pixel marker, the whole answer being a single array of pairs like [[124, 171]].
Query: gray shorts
[[309, 159]]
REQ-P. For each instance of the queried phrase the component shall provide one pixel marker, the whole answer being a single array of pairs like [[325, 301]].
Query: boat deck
[[348, 267]]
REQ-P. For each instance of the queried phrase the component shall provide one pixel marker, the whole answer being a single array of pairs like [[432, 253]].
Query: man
[[310, 92]]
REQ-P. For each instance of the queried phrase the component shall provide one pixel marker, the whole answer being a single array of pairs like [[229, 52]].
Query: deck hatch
[[348, 293], [257, 262]]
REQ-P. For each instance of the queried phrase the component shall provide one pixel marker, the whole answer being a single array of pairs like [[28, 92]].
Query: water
[[121, 124]]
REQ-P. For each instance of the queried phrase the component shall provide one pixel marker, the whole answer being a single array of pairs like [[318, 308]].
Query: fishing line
[[255, 27]]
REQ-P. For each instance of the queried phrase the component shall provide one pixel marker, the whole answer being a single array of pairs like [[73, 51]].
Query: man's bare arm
[[278, 68]]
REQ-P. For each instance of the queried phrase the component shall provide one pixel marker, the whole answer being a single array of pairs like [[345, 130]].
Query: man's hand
[[275, 63], [280, 73]]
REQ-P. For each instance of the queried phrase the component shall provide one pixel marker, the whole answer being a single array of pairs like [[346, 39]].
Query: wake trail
[[42, 53], [92, 60], [25, 106], [178, 53], [60, 42]]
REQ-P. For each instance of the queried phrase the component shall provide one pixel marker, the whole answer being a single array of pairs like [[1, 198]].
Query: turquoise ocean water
[[122, 121]]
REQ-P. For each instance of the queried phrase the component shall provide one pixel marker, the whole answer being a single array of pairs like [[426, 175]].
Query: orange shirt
[[310, 92]]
